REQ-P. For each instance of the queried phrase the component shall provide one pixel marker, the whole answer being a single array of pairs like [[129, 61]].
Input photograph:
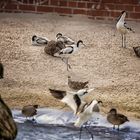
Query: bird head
[[80, 43], [100, 102], [36, 106], [58, 35], [34, 37], [113, 111]]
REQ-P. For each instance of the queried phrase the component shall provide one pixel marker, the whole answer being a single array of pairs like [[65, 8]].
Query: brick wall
[[96, 9]]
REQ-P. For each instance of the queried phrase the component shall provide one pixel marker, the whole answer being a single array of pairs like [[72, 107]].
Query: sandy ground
[[29, 72]]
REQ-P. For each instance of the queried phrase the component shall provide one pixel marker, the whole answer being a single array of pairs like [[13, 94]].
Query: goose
[[137, 51], [53, 47], [8, 128], [77, 85], [68, 51], [29, 111], [123, 28], [84, 111], [37, 41], [66, 40], [1, 70], [116, 119]]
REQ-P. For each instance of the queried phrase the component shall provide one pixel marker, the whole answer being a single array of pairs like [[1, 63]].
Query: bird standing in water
[[116, 119]]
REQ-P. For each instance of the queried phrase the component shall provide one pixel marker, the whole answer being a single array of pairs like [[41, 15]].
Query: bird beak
[[84, 45]]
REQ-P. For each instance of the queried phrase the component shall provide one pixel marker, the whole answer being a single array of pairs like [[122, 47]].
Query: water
[[52, 124]]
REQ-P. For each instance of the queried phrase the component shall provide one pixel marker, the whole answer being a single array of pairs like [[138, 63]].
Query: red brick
[[45, 9], [11, 6], [63, 3], [82, 4], [63, 10], [79, 11], [129, 1], [115, 14], [99, 13], [134, 15], [110, 6], [122, 7], [72, 4], [137, 8], [108, 1], [54, 2], [90, 4], [27, 7]]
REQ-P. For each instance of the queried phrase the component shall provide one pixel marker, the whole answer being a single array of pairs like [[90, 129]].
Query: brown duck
[[29, 110], [137, 51], [1, 70], [76, 85], [8, 128], [53, 47], [116, 119]]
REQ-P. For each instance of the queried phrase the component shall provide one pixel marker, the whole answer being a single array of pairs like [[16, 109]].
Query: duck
[[137, 51], [1, 71], [66, 40], [30, 111], [37, 41], [68, 51], [115, 118], [123, 28], [53, 47], [77, 85], [8, 127]]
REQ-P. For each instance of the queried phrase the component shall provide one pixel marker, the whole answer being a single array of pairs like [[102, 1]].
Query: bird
[[68, 51], [116, 119], [8, 128], [66, 40], [53, 47], [77, 85], [1, 71], [123, 28], [30, 111], [84, 111], [137, 51], [37, 41], [67, 96]]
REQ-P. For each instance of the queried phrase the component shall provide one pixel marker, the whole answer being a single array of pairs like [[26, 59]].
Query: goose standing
[[68, 51], [1, 70], [29, 111], [37, 41], [76, 85], [123, 28], [66, 40], [116, 119], [137, 51], [83, 110], [8, 128]]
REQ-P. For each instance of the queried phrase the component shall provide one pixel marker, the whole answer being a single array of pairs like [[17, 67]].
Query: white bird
[[68, 96], [37, 41], [68, 51], [66, 40], [83, 110], [123, 28]]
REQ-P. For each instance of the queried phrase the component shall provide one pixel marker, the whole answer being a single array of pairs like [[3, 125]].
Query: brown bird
[[29, 110], [76, 85], [137, 51], [116, 119], [53, 47], [8, 128], [1, 70]]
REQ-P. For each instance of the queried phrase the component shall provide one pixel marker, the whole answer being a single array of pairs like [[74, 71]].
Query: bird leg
[[65, 60], [118, 128], [113, 126], [89, 132], [124, 41], [80, 132]]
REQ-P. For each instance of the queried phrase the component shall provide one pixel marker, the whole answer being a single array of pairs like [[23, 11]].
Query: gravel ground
[[29, 72]]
